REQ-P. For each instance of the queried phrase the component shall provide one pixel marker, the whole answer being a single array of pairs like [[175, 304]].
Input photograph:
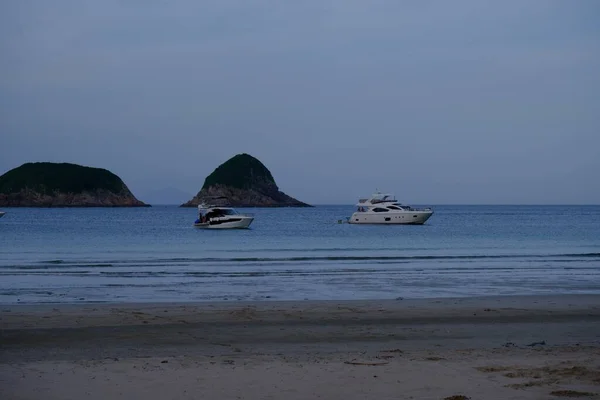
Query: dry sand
[[537, 347]]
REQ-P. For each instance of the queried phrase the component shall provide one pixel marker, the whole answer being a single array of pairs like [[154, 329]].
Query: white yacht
[[383, 208], [213, 217]]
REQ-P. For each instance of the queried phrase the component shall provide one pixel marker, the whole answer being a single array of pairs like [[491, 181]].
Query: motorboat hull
[[2, 214], [391, 218], [236, 222]]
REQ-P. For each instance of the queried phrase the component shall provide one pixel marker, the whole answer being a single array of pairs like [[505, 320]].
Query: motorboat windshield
[[216, 211], [224, 211]]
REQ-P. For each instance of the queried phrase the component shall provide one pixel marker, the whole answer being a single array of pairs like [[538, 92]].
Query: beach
[[513, 347]]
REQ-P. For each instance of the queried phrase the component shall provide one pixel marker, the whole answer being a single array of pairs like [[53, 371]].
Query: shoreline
[[486, 322], [557, 300], [271, 301], [518, 347], [450, 310]]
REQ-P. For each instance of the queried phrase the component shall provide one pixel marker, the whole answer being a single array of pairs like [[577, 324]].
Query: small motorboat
[[383, 208], [2, 214], [213, 217]]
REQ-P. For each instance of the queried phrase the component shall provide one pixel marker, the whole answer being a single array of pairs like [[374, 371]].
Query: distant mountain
[[45, 184], [242, 181], [167, 195]]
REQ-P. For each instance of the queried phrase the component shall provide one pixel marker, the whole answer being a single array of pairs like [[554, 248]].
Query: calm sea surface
[[154, 254]]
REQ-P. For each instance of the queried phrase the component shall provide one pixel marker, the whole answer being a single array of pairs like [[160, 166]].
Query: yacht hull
[[391, 218], [226, 223], [2, 214]]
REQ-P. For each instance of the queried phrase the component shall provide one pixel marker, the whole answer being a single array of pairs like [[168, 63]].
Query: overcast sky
[[436, 101]]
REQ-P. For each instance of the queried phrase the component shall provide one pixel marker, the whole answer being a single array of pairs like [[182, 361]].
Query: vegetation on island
[[242, 181], [46, 184], [241, 172], [48, 178]]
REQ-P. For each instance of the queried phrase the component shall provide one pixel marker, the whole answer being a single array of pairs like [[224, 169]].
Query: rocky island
[[45, 184], [242, 181]]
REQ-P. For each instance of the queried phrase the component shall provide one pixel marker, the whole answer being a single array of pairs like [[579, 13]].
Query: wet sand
[[535, 347]]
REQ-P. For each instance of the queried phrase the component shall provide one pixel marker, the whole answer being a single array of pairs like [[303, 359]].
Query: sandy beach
[[533, 347]]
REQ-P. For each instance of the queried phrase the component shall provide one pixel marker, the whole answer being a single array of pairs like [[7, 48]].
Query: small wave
[[321, 249], [376, 258], [301, 258], [321, 272], [186, 261], [57, 266]]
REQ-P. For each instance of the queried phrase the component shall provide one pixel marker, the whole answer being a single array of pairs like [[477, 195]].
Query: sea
[[110, 255]]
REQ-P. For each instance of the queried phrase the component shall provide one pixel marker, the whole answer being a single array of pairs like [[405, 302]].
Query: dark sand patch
[[548, 375], [572, 393]]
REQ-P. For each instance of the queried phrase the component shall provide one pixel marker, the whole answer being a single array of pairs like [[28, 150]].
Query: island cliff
[[45, 184], [242, 181]]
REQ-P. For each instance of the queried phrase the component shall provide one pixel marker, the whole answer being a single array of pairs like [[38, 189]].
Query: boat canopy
[[377, 197]]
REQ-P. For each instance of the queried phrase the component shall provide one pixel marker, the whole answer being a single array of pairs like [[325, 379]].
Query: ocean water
[[155, 254]]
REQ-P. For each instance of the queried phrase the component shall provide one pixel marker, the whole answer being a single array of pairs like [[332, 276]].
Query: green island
[[242, 181], [46, 184]]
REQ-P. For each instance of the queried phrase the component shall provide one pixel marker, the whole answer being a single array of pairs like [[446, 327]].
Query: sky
[[438, 102]]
